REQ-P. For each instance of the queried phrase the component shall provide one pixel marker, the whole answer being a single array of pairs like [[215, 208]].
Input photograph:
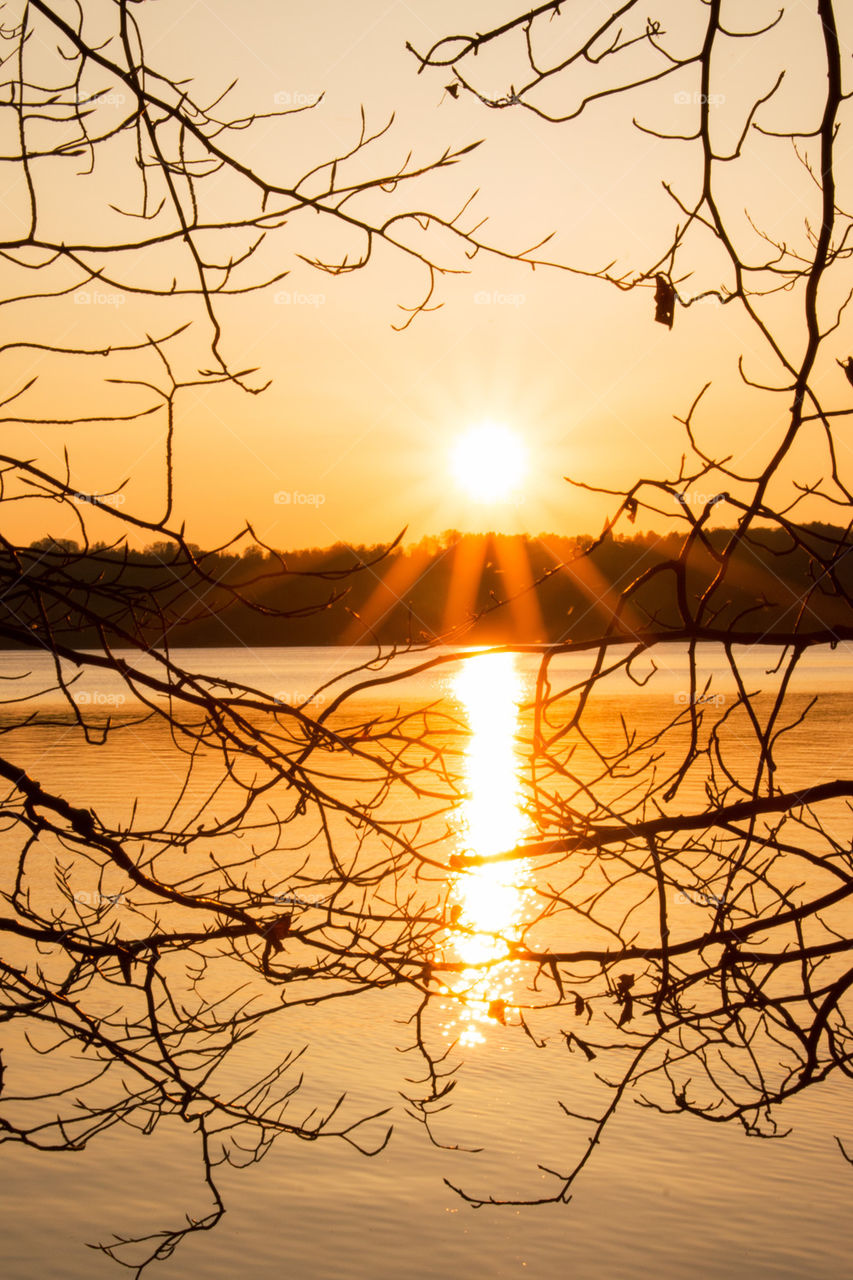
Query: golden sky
[[360, 421]]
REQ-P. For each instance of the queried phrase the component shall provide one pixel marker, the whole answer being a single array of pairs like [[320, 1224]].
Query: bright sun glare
[[489, 462]]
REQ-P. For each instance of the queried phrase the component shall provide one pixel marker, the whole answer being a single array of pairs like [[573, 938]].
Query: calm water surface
[[665, 1196]]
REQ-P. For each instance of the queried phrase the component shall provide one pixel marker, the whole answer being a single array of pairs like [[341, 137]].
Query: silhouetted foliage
[[775, 585]]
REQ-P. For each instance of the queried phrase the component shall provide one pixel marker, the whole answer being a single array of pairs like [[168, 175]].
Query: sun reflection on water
[[488, 903]]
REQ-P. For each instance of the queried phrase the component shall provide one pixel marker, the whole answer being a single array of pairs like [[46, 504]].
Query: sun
[[489, 462]]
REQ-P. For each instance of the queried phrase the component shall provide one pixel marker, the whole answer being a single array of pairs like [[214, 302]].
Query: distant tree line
[[552, 589]]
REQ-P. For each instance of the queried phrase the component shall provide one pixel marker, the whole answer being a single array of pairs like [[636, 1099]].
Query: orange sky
[[360, 421]]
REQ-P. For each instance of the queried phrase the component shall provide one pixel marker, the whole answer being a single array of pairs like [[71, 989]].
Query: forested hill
[[474, 588]]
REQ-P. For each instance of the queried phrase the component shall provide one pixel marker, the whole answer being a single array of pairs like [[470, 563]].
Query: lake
[[668, 1196]]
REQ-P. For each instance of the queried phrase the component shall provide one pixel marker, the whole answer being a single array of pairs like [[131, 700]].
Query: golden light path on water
[[488, 903]]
